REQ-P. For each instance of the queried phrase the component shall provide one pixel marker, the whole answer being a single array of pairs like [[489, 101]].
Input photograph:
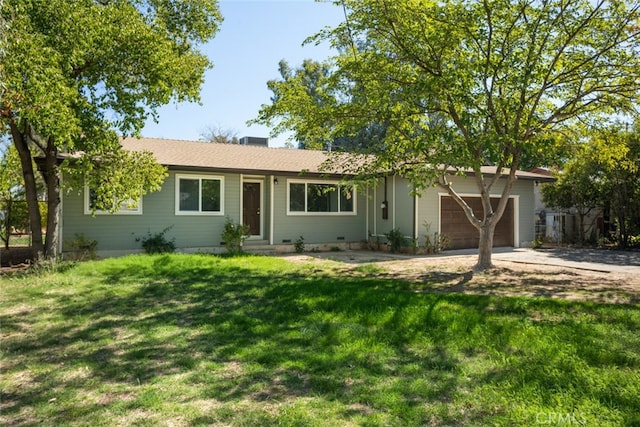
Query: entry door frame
[[254, 180]]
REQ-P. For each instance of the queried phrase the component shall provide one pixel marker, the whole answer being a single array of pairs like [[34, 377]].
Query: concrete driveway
[[587, 259]]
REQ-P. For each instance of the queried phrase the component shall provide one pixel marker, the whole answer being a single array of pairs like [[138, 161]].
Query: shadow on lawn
[[239, 333], [512, 282]]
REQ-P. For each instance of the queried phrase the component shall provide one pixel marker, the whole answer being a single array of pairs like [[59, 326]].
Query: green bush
[[234, 236], [536, 243], [396, 240], [298, 245], [157, 243]]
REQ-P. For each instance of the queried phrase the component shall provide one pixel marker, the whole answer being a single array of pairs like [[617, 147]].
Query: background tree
[[309, 85], [13, 209], [577, 188], [617, 154], [464, 84], [305, 85], [75, 74], [219, 135], [603, 173]]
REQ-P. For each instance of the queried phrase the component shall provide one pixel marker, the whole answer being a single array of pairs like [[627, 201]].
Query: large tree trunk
[[581, 233], [51, 174], [31, 192], [486, 227], [485, 247]]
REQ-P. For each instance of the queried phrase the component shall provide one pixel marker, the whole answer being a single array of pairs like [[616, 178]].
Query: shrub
[[82, 248], [157, 243], [298, 245], [536, 243], [436, 242], [234, 236], [396, 240]]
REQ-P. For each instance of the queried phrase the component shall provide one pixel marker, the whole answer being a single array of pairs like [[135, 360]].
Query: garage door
[[462, 234]]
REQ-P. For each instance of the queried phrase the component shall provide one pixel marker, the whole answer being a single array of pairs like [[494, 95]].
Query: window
[[199, 195], [129, 207], [320, 197]]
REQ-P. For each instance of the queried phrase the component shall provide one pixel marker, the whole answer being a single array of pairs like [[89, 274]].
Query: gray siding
[[527, 211], [401, 207], [402, 215], [118, 232], [404, 206], [317, 228]]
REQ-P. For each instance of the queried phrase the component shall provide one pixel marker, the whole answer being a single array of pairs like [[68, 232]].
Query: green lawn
[[203, 340]]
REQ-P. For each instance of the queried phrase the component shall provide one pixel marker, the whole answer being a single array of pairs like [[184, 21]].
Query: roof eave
[[254, 171]]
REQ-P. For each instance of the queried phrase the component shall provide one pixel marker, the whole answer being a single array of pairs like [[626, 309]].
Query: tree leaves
[[463, 84], [470, 83], [116, 176], [70, 63], [605, 173], [78, 74]]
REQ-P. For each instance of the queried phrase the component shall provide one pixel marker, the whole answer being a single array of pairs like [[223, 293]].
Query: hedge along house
[[282, 194]]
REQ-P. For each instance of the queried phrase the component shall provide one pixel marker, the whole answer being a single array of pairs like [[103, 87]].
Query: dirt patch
[[507, 278]]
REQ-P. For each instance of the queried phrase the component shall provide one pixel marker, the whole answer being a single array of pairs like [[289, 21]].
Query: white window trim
[[87, 207], [305, 213], [199, 177]]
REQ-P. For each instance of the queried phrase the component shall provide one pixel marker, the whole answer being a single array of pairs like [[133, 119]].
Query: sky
[[254, 36]]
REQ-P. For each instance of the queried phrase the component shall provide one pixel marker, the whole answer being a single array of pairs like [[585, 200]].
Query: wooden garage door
[[462, 234]]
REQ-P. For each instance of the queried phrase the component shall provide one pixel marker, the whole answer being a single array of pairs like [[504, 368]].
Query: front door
[[251, 207]]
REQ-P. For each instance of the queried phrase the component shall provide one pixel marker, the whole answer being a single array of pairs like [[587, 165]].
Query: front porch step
[[256, 243], [259, 247]]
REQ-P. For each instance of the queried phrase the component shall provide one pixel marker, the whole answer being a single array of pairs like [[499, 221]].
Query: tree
[[219, 135], [304, 84], [75, 74], [307, 85], [603, 173], [464, 84], [617, 169], [577, 188], [13, 211]]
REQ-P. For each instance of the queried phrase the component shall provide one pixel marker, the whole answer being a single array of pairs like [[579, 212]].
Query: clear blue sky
[[253, 38]]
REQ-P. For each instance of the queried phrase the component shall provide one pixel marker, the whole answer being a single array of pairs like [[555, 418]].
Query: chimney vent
[[254, 140]]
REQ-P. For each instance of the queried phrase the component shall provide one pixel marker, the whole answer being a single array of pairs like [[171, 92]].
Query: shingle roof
[[194, 154], [247, 158]]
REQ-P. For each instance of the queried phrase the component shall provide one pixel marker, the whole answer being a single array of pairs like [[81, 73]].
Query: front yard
[[203, 340]]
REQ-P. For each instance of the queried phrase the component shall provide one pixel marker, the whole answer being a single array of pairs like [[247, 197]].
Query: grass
[[19, 240], [203, 340]]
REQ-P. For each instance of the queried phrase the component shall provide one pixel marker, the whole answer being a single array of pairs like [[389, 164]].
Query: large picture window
[[320, 197], [199, 195], [129, 207]]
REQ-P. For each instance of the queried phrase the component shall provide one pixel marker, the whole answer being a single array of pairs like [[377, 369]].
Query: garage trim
[[516, 212]]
